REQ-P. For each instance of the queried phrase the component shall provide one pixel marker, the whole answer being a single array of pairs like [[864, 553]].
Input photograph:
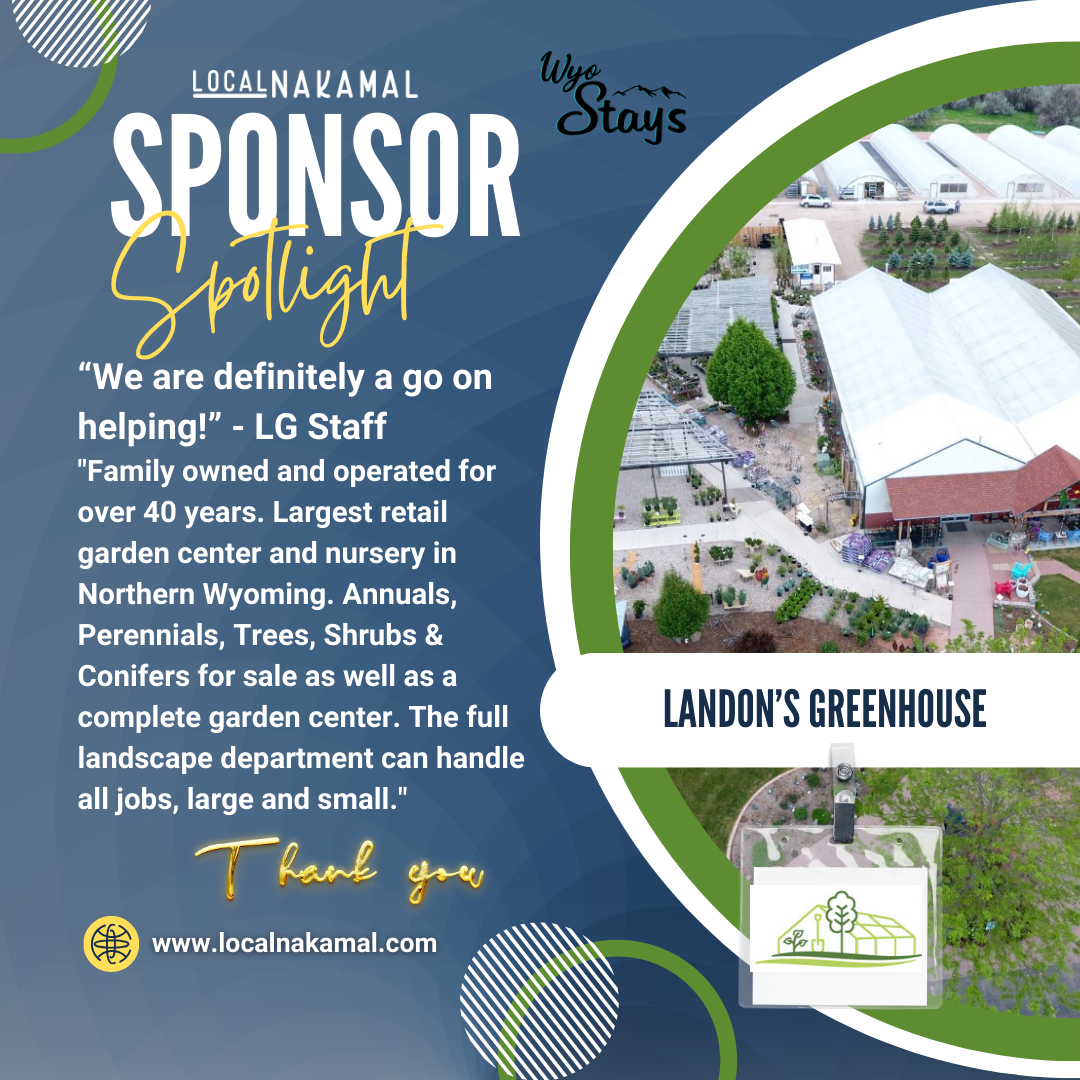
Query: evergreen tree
[[749, 373], [681, 610]]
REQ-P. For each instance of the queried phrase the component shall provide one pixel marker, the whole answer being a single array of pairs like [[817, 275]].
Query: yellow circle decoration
[[111, 943]]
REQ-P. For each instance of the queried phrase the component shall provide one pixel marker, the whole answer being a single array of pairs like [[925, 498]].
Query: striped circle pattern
[[69, 32], [539, 1001]]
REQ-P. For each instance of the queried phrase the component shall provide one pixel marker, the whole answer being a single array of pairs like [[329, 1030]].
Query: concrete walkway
[[973, 583], [760, 518], [786, 329], [1052, 566], [977, 567], [807, 401]]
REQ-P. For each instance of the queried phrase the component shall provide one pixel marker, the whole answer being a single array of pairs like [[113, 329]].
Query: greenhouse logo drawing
[[838, 934]]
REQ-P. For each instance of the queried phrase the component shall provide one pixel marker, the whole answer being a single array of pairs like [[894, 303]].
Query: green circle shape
[[31, 143], [1036, 1038], [631, 950]]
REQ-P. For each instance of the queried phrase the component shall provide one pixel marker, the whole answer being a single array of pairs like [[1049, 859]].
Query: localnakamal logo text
[[837, 934], [588, 90]]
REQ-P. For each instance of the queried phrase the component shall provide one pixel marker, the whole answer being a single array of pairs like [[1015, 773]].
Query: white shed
[[918, 164], [1000, 173], [1058, 166], [807, 183], [814, 257], [854, 174]]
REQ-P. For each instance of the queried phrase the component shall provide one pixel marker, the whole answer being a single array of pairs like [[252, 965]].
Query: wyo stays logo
[[589, 92]]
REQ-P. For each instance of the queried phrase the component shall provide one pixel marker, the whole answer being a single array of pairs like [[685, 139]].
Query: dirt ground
[[847, 220], [799, 635], [777, 801]]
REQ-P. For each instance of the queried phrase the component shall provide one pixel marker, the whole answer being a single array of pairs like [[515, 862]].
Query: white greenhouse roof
[[914, 160], [988, 360], [996, 170], [851, 164], [707, 313], [1051, 161], [809, 242], [1065, 138]]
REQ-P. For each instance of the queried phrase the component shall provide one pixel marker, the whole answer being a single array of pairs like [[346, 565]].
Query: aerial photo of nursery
[[860, 434]]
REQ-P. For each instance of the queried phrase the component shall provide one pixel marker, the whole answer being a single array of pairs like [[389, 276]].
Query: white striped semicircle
[[567, 1016], [69, 32]]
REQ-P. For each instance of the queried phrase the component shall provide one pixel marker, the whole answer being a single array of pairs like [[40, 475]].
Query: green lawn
[[717, 795], [1060, 599], [974, 120]]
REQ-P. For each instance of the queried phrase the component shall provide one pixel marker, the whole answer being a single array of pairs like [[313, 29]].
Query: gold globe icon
[[111, 943]]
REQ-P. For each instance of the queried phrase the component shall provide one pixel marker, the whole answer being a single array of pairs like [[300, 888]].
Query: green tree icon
[[841, 915]]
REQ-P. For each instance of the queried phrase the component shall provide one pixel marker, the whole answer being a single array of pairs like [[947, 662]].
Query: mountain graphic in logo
[[668, 93], [837, 934]]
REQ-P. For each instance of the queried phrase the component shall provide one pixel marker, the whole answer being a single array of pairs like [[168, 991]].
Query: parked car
[[815, 200], [939, 206]]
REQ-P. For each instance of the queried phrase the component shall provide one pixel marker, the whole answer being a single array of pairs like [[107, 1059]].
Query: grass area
[[716, 796], [1060, 599], [982, 123]]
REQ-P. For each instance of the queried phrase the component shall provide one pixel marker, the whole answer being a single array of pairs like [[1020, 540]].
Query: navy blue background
[[550, 846]]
